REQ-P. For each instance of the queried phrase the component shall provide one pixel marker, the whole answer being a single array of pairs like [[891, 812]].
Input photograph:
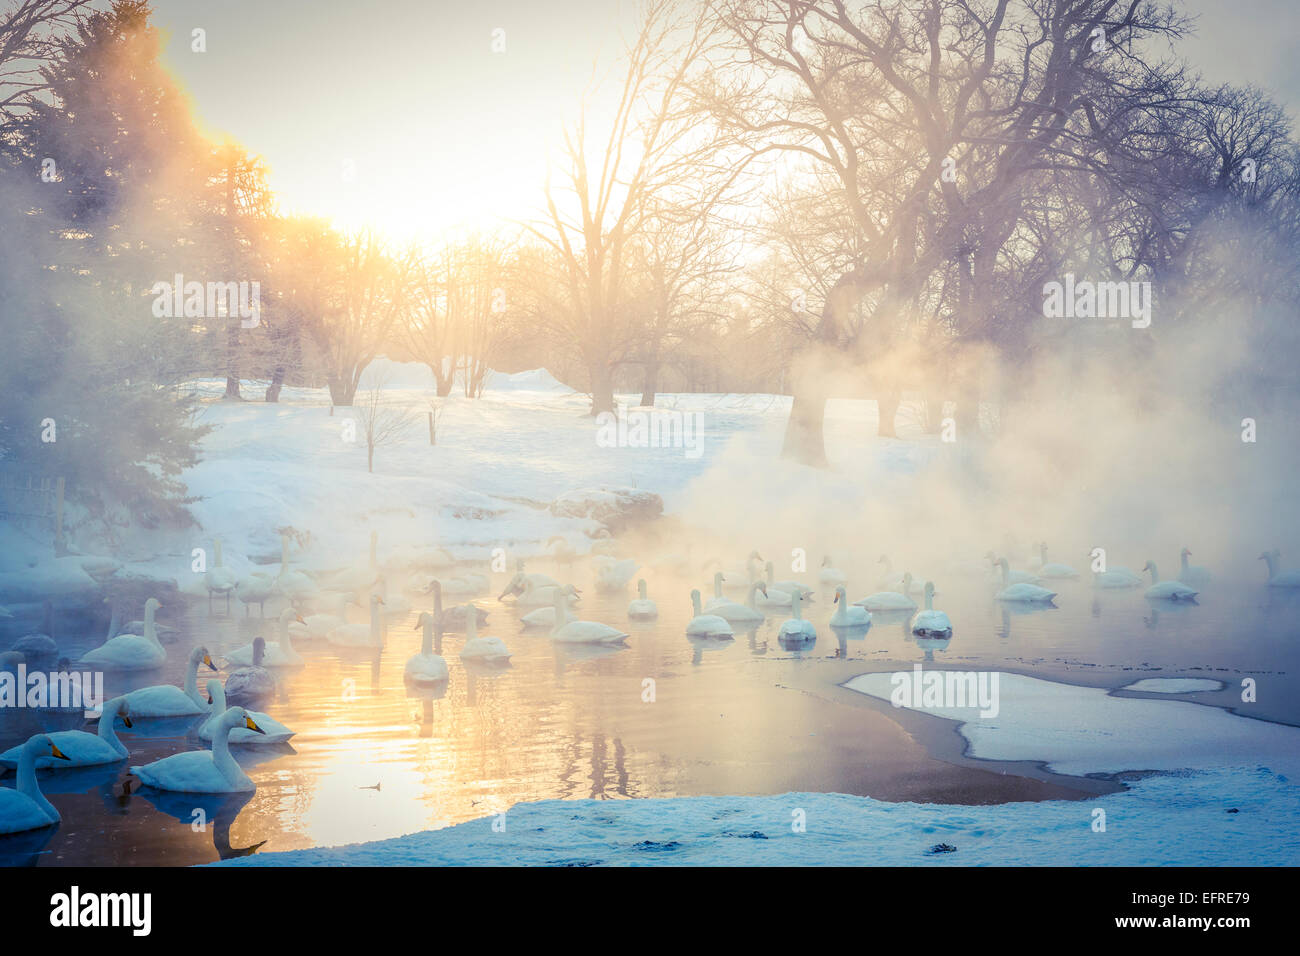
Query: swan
[[562, 551], [546, 616], [1021, 592], [255, 588], [706, 625], [270, 731], [569, 631], [315, 627], [1166, 590], [42, 644], [168, 700], [358, 578], [1051, 569], [280, 654], [360, 635], [890, 600], [603, 543], [295, 585], [1115, 578], [519, 582], [787, 586], [1192, 575], [468, 582], [747, 613], [613, 574], [1276, 578], [452, 619], [26, 807], [829, 575], [846, 614], [538, 595], [889, 581], [1009, 576], [79, 748], [931, 623], [642, 608], [490, 650], [219, 579], [202, 771], [425, 667], [254, 681], [796, 628], [718, 597], [397, 604], [131, 652]]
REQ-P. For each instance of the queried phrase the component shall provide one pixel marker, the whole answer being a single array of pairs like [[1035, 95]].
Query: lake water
[[371, 760]]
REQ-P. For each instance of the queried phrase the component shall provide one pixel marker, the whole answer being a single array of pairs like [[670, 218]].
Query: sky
[[401, 114]]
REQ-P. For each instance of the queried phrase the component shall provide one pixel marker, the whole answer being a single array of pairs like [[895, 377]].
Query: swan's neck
[[1184, 560], [641, 590], [108, 732], [929, 600], [770, 575], [115, 622], [753, 595], [1272, 565], [426, 646], [221, 758], [286, 639], [216, 548], [150, 632], [28, 786], [192, 682], [695, 604], [717, 585], [795, 602], [1155, 575], [1006, 574]]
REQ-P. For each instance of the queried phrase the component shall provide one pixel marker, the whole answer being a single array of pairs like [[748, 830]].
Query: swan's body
[[784, 586], [1278, 578], [1190, 574], [316, 627], [281, 654], [890, 600], [706, 625], [829, 575], [846, 614], [889, 581], [1021, 592], [747, 613], [295, 585], [539, 595], [360, 635], [490, 650], [642, 608], [426, 667], [26, 807], [797, 629], [36, 645], [252, 682], [168, 700], [1115, 578], [1166, 590], [202, 771], [396, 604], [219, 579], [82, 749], [1008, 575], [519, 583], [131, 652], [613, 574], [271, 730], [568, 631], [1052, 569], [453, 618], [255, 588], [929, 622]]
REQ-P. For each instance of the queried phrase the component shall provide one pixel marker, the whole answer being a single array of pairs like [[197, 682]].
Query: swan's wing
[[189, 772]]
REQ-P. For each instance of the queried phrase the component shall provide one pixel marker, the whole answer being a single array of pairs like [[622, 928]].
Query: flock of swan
[[316, 612]]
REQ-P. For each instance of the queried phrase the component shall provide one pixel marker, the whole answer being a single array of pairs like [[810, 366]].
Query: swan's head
[[993, 558], [238, 717], [1147, 566], [841, 594], [117, 707], [1185, 553], [43, 746], [516, 585], [215, 690], [718, 577], [200, 655], [826, 561], [883, 559], [375, 600], [1003, 564], [152, 604], [572, 591], [425, 617], [259, 650], [695, 595], [755, 556], [907, 582], [929, 589]]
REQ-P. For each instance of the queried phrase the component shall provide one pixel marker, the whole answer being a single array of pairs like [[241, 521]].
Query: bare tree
[[382, 421]]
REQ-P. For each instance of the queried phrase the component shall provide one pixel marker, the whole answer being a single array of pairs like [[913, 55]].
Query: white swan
[[219, 579], [26, 807], [1115, 578], [131, 652], [168, 700], [562, 551], [613, 574], [889, 581], [297, 586], [1190, 574], [535, 595], [256, 587], [453, 619], [270, 731], [1052, 569], [280, 654], [315, 627], [396, 604], [796, 628], [846, 614], [747, 613], [1276, 578], [490, 650], [642, 608], [519, 582], [81, 749], [1166, 590], [706, 625], [829, 575], [425, 667], [786, 586], [1021, 592], [890, 600], [569, 631], [1008, 575], [360, 577], [546, 616], [360, 635], [41, 644], [929, 622], [201, 771]]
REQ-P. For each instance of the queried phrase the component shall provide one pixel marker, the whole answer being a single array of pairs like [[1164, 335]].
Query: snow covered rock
[[616, 508]]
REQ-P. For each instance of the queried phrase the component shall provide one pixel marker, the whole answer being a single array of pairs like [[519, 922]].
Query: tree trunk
[[602, 391], [651, 384], [370, 459], [277, 382]]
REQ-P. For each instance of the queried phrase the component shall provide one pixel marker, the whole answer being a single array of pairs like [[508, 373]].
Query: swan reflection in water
[[212, 813]]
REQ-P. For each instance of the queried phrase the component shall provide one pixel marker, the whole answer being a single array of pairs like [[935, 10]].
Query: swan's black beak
[[248, 721], [837, 598], [418, 625], [207, 659], [56, 752], [209, 699], [126, 719]]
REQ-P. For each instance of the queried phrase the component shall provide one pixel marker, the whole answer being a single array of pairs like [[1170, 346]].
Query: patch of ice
[[1174, 685]]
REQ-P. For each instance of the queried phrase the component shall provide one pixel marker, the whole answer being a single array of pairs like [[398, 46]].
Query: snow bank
[[1174, 685]]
